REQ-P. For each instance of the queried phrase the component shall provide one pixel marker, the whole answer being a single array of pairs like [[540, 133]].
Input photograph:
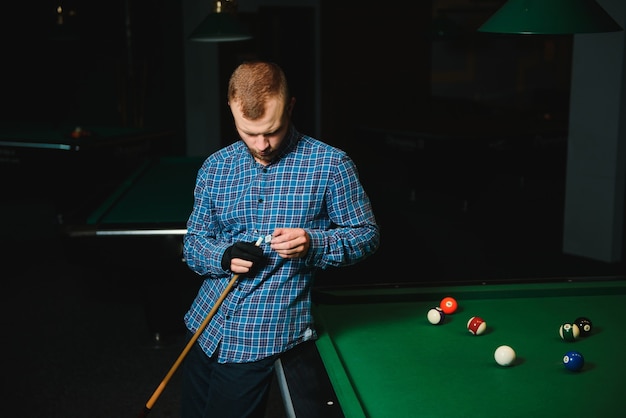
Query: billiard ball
[[436, 315], [476, 325], [573, 361], [569, 332], [448, 305], [504, 355], [584, 325]]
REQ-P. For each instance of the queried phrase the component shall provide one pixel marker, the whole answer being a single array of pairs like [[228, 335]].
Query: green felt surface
[[386, 360], [160, 191]]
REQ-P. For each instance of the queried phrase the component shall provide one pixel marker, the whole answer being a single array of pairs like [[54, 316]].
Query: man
[[273, 208]]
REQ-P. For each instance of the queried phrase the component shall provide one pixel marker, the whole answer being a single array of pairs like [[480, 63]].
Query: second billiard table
[[52, 164], [136, 232]]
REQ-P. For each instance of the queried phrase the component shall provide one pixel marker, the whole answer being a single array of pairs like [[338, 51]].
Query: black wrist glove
[[244, 250]]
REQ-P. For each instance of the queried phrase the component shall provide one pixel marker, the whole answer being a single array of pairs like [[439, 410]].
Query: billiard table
[[136, 232], [71, 169], [156, 199], [378, 356]]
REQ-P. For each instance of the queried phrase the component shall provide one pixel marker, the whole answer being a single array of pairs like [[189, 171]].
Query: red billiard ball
[[448, 305], [584, 325], [573, 361], [569, 332], [476, 325]]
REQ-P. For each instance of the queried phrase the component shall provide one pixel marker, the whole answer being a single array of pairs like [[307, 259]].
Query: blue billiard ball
[[573, 360]]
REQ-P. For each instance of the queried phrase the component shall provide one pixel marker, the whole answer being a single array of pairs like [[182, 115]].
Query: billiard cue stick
[[148, 407]]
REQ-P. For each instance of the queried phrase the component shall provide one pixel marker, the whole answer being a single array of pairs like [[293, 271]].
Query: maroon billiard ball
[[476, 325]]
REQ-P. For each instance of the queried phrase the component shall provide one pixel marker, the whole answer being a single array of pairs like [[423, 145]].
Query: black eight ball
[[584, 324]]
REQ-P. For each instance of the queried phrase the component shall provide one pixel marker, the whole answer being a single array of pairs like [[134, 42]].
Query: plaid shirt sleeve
[[353, 234]]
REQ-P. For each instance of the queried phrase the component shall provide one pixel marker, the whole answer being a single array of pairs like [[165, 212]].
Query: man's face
[[263, 136]]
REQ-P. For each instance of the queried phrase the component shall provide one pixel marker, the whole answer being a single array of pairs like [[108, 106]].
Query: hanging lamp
[[221, 24], [550, 17]]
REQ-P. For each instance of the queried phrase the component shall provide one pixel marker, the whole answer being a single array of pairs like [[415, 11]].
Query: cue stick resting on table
[[196, 335]]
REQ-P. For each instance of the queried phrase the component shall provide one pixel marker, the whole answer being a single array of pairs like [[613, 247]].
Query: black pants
[[211, 389]]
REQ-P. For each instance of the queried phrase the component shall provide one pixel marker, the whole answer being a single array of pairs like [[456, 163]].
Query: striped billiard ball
[[476, 325], [569, 332], [436, 315]]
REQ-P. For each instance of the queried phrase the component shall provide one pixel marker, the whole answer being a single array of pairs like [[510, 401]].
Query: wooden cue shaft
[[191, 342]]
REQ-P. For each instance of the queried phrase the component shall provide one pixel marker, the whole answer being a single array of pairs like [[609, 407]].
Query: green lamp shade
[[550, 17], [220, 27]]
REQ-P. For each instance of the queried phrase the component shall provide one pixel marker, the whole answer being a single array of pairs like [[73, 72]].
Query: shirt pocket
[[300, 210]]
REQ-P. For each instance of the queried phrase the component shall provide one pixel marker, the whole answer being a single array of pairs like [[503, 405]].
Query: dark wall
[[114, 62], [375, 64], [451, 151]]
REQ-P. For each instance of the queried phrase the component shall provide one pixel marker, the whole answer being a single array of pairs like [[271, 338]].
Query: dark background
[[121, 62], [452, 130], [460, 139]]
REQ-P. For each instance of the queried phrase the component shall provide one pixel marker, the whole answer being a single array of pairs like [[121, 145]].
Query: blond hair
[[253, 83]]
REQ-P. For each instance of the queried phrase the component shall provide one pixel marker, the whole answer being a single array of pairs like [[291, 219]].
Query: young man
[[303, 201]]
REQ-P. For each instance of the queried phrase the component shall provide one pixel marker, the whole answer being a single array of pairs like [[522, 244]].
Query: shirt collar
[[292, 137]]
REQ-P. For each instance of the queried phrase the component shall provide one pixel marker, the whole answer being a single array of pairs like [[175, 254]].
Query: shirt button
[[260, 200], [265, 170]]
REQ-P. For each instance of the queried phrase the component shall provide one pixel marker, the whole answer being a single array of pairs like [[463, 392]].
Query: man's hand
[[241, 257], [290, 242]]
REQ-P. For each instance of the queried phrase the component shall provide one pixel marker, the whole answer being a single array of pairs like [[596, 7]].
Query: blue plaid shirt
[[311, 185]]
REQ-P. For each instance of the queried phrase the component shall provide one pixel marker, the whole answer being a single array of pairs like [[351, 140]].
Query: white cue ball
[[504, 355]]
